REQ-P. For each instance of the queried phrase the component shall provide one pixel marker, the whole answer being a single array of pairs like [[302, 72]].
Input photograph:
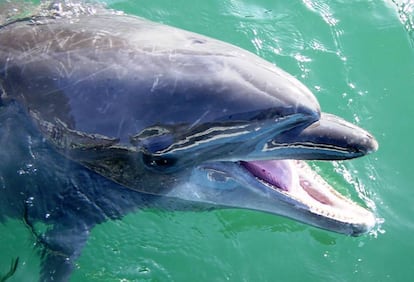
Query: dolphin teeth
[[308, 189]]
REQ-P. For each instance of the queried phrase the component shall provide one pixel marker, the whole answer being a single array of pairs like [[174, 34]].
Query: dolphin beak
[[330, 138]]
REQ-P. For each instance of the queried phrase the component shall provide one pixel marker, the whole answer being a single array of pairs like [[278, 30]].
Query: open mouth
[[298, 182]]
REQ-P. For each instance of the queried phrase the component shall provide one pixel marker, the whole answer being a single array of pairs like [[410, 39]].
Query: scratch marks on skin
[[90, 75], [101, 38], [6, 65], [120, 126], [110, 42], [62, 40], [155, 83], [79, 80], [81, 42], [65, 69], [199, 119], [3, 94]]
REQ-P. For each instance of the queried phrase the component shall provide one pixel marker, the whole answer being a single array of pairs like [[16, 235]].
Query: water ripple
[[323, 9], [405, 9]]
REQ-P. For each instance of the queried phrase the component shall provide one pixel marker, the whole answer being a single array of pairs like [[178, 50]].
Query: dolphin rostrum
[[171, 114]]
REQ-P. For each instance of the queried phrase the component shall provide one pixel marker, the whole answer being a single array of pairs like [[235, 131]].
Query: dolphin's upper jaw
[[294, 182], [330, 138]]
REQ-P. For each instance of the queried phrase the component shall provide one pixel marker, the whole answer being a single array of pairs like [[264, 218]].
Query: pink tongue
[[278, 173]]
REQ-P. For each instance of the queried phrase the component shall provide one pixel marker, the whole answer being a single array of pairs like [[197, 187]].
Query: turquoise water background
[[358, 59]]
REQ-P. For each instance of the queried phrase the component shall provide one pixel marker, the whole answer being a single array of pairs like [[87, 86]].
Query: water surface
[[357, 57]]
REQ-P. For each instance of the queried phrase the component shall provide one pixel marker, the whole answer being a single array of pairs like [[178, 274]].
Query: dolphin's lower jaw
[[316, 201], [284, 187]]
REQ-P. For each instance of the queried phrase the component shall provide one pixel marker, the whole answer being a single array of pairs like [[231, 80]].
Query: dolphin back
[[98, 80]]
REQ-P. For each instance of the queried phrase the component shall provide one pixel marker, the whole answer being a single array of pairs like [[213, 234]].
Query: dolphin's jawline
[[308, 188]]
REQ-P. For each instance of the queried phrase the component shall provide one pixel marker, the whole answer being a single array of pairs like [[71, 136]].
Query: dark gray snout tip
[[360, 141], [370, 145]]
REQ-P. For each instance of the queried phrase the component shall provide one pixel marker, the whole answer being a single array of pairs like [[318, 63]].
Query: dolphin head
[[262, 170], [169, 112], [267, 173]]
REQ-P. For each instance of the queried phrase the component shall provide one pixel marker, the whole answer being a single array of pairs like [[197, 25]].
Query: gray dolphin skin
[[173, 114]]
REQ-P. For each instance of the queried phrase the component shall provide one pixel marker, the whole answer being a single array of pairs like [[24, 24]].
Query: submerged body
[[170, 113]]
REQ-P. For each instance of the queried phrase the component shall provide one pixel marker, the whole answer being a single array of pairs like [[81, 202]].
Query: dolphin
[[119, 112]]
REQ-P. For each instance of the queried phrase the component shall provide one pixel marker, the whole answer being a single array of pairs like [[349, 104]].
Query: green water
[[358, 58]]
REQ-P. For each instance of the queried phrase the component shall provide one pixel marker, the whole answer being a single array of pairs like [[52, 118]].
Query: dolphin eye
[[158, 162]]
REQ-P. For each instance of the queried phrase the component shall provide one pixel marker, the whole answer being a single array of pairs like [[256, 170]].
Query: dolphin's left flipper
[[61, 246]]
